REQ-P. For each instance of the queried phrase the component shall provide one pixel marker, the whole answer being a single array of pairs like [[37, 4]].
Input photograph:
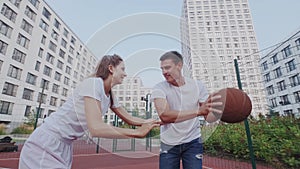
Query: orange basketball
[[236, 107]]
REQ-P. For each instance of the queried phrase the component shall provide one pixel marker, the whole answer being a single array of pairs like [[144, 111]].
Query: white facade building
[[214, 33], [281, 68], [37, 49], [134, 97]]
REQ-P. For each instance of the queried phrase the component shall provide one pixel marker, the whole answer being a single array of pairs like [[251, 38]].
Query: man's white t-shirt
[[186, 97], [69, 121]]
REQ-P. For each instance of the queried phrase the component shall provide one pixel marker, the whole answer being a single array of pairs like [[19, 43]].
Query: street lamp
[[148, 115], [40, 103], [148, 105]]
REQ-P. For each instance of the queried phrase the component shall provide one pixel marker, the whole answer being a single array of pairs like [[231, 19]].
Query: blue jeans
[[190, 153]]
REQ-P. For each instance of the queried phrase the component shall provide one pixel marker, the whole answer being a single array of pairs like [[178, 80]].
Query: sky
[[141, 30]]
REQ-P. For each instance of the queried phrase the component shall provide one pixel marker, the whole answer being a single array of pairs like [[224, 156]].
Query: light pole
[[148, 115], [39, 108]]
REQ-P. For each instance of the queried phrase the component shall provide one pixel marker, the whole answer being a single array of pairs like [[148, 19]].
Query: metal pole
[[250, 147], [40, 104], [147, 116]]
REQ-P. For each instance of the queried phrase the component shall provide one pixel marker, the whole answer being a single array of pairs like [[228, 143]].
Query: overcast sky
[[126, 27]]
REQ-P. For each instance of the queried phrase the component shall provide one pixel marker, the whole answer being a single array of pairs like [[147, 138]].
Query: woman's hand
[[145, 128]]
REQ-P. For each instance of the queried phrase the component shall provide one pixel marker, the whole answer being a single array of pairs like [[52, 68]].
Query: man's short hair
[[174, 55]]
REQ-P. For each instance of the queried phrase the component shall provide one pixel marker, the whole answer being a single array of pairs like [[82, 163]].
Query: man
[[179, 101]]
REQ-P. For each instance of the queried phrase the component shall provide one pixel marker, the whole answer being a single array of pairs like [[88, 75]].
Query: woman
[[50, 145]]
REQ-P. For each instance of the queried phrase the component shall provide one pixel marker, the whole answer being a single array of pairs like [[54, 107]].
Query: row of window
[[284, 53], [284, 100], [290, 66], [6, 30], [15, 72], [282, 85], [206, 2], [11, 89], [7, 108]]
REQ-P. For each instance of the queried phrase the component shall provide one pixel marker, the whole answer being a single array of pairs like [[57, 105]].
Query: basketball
[[236, 106]]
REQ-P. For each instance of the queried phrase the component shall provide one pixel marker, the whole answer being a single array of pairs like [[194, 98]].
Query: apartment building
[[216, 32], [134, 97], [280, 68], [41, 60]]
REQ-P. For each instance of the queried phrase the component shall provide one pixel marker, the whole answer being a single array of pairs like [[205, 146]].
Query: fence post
[[250, 147]]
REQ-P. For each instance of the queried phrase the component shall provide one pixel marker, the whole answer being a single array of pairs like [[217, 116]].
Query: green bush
[[23, 129], [2, 129], [275, 141]]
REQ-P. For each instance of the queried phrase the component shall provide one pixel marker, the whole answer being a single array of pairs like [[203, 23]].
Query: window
[[66, 81], [46, 13], [297, 96], [41, 99], [57, 24], [18, 56], [5, 29], [71, 50], [270, 90], [68, 70], [267, 77], [59, 64], [44, 25], [65, 32], [43, 40], [9, 13], [277, 72], [298, 43], [275, 59], [290, 66], [14, 72], [41, 110], [27, 94], [62, 53], [44, 84], [57, 76], [54, 35], [41, 51], [73, 40], [52, 46], [295, 80], [35, 3], [27, 27], [287, 51], [30, 13], [10, 89], [3, 47], [53, 101], [284, 100], [23, 41], [55, 88], [47, 71], [265, 65], [31, 78], [1, 63], [70, 59], [281, 85], [37, 66], [16, 2], [27, 111], [63, 43], [65, 92], [6, 107], [49, 58], [288, 112]]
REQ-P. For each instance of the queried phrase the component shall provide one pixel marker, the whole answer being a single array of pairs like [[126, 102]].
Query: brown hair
[[174, 55], [102, 67], [103, 71]]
